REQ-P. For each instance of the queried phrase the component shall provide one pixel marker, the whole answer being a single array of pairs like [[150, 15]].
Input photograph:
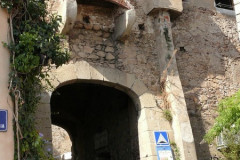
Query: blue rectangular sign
[[164, 153], [3, 120]]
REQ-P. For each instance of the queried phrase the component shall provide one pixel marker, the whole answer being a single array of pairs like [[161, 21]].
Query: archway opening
[[101, 121], [61, 142]]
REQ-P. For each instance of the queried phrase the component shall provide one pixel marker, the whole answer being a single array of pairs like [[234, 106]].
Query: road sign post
[[163, 148]]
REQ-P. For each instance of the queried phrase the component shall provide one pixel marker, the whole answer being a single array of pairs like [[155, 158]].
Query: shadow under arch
[[119, 87], [101, 120]]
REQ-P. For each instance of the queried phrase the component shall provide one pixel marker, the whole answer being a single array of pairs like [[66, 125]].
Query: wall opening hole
[[182, 49], [225, 4], [86, 19], [141, 27]]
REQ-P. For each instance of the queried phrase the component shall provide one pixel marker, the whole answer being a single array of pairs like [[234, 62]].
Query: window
[[225, 4], [221, 142]]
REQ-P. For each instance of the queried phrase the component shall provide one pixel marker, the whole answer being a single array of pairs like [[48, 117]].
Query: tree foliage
[[228, 123], [35, 44]]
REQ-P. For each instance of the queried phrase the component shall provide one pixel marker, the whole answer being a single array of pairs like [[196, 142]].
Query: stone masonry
[[207, 63]]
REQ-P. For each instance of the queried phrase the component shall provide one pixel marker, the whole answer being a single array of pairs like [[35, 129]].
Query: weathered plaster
[[6, 138]]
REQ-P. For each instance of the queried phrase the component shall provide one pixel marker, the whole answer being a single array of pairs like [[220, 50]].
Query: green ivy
[[176, 151], [167, 115], [229, 116], [36, 45]]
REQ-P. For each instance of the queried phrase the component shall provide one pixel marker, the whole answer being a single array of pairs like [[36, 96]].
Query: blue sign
[[164, 153], [161, 138], [3, 120]]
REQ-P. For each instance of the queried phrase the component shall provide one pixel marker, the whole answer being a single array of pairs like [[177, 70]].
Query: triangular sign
[[161, 140]]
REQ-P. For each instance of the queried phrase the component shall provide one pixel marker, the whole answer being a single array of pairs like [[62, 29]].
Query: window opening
[[225, 4]]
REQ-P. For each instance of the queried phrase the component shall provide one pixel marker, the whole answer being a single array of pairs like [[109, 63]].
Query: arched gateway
[[109, 107]]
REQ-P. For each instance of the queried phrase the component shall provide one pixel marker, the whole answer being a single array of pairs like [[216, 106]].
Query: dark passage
[[101, 121], [226, 4]]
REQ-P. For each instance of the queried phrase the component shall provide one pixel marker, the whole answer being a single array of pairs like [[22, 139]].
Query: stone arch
[[128, 83]]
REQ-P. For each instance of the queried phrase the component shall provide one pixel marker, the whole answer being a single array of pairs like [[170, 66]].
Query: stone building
[[130, 61]]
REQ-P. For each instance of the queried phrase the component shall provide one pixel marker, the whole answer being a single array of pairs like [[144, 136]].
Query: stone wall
[[208, 63], [134, 61], [92, 42], [61, 141], [92, 48]]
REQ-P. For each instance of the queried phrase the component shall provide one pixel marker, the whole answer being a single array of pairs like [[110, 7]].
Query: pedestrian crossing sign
[[161, 138]]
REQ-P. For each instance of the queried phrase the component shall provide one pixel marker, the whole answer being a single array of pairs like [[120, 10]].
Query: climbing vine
[[35, 46]]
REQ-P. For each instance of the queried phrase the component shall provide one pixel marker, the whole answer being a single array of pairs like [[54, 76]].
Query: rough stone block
[[146, 148], [147, 100], [142, 126], [116, 76], [130, 79], [101, 54], [65, 73], [96, 73], [87, 49], [153, 5], [139, 88], [123, 24], [237, 9], [109, 49], [186, 130], [112, 75], [82, 70], [109, 56], [142, 116], [93, 57], [43, 110], [238, 18], [45, 97]]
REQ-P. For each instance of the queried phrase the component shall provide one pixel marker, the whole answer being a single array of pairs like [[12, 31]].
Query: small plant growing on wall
[[167, 38], [176, 151], [35, 44], [167, 115]]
